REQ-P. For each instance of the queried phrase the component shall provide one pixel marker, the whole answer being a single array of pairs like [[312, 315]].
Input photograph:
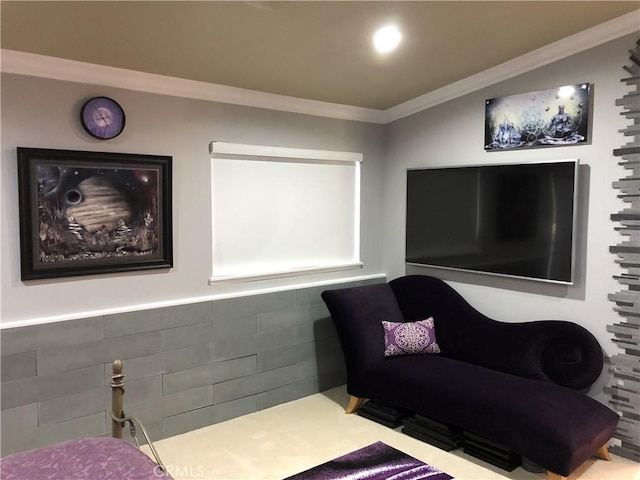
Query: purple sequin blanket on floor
[[375, 462], [87, 458]]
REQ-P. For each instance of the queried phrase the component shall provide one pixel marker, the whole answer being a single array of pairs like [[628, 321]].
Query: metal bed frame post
[[119, 419], [117, 394]]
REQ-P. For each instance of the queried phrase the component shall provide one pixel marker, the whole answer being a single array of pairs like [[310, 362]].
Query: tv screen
[[509, 219]]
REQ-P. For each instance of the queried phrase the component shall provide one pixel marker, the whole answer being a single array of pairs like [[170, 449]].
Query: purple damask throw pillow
[[409, 338]]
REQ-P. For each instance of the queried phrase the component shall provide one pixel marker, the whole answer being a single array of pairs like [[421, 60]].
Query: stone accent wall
[[625, 388], [186, 366]]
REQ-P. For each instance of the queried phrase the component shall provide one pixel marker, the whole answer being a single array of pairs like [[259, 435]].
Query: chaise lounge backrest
[[556, 351]]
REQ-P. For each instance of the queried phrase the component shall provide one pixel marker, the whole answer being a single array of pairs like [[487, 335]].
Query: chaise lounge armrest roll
[[516, 384]]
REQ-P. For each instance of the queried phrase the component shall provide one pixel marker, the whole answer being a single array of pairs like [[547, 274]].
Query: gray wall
[[38, 112], [192, 363], [186, 366], [194, 354], [453, 134]]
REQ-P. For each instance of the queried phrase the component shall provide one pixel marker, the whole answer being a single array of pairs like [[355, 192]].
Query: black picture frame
[[557, 117], [88, 213]]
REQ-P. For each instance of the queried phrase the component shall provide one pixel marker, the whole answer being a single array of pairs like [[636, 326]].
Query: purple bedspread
[[378, 461], [87, 458]]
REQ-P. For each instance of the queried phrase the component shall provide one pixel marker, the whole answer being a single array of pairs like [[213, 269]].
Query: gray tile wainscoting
[[186, 366]]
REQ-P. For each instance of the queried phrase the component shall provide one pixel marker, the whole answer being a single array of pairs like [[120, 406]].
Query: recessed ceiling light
[[387, 39]]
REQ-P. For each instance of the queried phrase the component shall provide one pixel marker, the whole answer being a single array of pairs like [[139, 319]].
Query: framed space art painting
[[556, 117], [86, 213]]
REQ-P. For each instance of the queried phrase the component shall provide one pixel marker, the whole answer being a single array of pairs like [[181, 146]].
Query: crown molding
[[579, 42], [30, 64], [35, 65]]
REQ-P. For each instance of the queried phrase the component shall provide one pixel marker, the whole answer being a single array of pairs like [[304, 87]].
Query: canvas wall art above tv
[[556, 117], [516, 220]]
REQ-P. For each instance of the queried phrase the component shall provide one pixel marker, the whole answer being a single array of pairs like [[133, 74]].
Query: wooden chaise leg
[[602, 453], [354, 404], [554, 476]]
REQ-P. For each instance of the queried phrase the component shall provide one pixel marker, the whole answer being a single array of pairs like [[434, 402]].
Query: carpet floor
[[290, 438]]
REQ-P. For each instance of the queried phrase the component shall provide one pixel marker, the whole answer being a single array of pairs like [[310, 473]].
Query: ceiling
[[313, 50]]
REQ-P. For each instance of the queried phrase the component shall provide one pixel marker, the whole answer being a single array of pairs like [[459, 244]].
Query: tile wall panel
[[57, 410], [24, 339], [18, 365], [121, 324], [186, 366]]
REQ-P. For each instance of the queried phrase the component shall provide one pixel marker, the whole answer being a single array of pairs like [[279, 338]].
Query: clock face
[[102, 118]]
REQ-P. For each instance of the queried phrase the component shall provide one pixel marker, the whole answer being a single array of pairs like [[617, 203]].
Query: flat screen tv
[[516, 220]]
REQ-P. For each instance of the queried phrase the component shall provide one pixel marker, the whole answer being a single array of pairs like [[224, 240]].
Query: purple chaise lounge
[[520, 385]]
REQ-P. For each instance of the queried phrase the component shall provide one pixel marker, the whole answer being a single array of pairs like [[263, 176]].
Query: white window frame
[[237, 151]]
